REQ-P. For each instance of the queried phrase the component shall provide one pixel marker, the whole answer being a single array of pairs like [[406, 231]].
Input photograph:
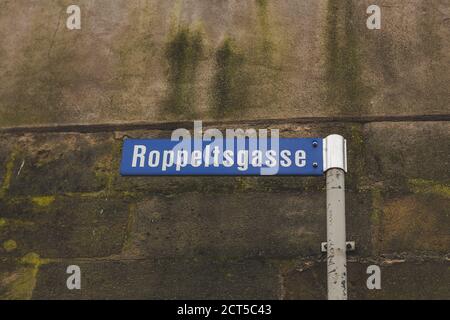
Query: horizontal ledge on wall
[[188, 124]]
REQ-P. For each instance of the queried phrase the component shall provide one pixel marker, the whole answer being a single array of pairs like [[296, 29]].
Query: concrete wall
[[263, 64]]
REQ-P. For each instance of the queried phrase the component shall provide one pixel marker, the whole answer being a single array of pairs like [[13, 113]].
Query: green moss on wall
[[266, 45], [184, 51], [129, 247], [106, 168], [15, 223], [43, 201], [21, 288], [376, 219], [231, 81], [21, 283], [9, 245], [356, 152], [8, 175], [422, 186], [345, 90]]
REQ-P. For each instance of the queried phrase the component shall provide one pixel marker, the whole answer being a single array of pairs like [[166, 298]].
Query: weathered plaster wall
[[164, 60], [62, 201]]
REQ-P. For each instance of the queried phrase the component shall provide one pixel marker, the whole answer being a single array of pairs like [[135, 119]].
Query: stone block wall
[[143, 68]]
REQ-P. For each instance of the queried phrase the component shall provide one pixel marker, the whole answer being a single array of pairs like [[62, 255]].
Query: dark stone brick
[[401, 280], [64, 226], [62, 163], [399, 152], [414, 223], [161, 279], [404, 281], [220, 225], [269, 225]]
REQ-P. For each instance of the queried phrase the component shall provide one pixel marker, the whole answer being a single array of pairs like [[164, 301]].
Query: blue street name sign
[[222, 157]]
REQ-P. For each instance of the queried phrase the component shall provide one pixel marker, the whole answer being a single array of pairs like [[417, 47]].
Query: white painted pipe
[[335, 166], [336, 235]]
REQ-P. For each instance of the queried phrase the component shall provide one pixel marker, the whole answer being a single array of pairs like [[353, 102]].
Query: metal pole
[[335, 166], [336, 236]]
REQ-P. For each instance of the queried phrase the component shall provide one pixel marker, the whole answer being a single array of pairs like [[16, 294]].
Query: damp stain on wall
[[183, 52], [344, 87], [230, 88]]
